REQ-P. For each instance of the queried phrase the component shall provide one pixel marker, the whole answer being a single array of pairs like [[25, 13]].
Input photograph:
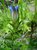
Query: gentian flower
[[16, 8], [11, 8]]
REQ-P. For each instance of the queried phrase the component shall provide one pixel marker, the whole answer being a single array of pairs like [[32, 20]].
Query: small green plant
[[19, 34]]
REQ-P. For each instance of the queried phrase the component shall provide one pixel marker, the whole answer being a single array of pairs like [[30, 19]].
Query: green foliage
[[16, 35]]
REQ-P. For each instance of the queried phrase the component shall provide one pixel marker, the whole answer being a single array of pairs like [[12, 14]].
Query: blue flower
[[10, 7], [16, 7]]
